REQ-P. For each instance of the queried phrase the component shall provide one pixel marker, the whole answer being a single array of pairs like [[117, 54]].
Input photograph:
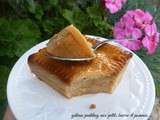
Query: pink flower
[[139, 27], [133, 45], [150, 30], [113, 5], [142, 18], [129, 33], [151, 40]]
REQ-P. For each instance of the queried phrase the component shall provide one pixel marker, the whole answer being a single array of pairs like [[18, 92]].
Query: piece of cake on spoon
[[75, 78]]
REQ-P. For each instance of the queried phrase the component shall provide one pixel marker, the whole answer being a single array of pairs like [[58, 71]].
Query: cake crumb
[[92, 106]]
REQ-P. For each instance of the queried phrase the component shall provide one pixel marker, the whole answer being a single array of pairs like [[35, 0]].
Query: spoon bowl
[[94, 47]]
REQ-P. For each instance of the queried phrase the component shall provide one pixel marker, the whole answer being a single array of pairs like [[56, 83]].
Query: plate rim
[[10, 81]]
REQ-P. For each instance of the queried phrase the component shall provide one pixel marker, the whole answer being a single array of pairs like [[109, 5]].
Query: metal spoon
[[94, 47]]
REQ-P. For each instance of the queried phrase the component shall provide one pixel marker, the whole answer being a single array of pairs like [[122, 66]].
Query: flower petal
[[136, 33], [132, 45], [148, 18], [112, 8], [136, 25], [113, 5], [150, 30], [151, 43], [128, 20]]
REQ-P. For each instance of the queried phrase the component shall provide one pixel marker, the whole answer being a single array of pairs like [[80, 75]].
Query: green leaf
[[95, 11], [53, 2], [39, 12], [28, 36], [48, 26], [35, 8], [157, 85], [68, 15], [98, 18], [31, 5], [18, 36], [52, 25], [68, 4], [76, 17]]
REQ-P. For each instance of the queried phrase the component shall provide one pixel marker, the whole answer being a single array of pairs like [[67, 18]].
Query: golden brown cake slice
[[70, 43], [102, 74]]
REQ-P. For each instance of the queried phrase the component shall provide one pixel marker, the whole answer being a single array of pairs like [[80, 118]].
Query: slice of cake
[[70, 43], [101, 74]]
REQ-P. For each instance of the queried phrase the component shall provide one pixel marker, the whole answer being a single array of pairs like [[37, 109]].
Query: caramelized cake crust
[[110, 60], [101, 74]]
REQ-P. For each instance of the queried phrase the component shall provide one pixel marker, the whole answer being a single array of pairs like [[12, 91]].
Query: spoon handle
[[99, 43]]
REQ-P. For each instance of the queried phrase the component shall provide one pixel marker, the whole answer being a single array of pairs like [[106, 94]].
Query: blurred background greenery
[[24, 23]]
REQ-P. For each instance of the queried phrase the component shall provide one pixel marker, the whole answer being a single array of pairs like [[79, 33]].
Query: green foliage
[[17, 36], [53, 2], [4, 70], [35, 9], [4, 74]]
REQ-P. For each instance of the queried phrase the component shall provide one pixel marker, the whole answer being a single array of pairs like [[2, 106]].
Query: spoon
[[94, 47]]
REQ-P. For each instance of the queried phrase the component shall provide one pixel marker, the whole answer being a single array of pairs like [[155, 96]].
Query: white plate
[[31, 99]]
